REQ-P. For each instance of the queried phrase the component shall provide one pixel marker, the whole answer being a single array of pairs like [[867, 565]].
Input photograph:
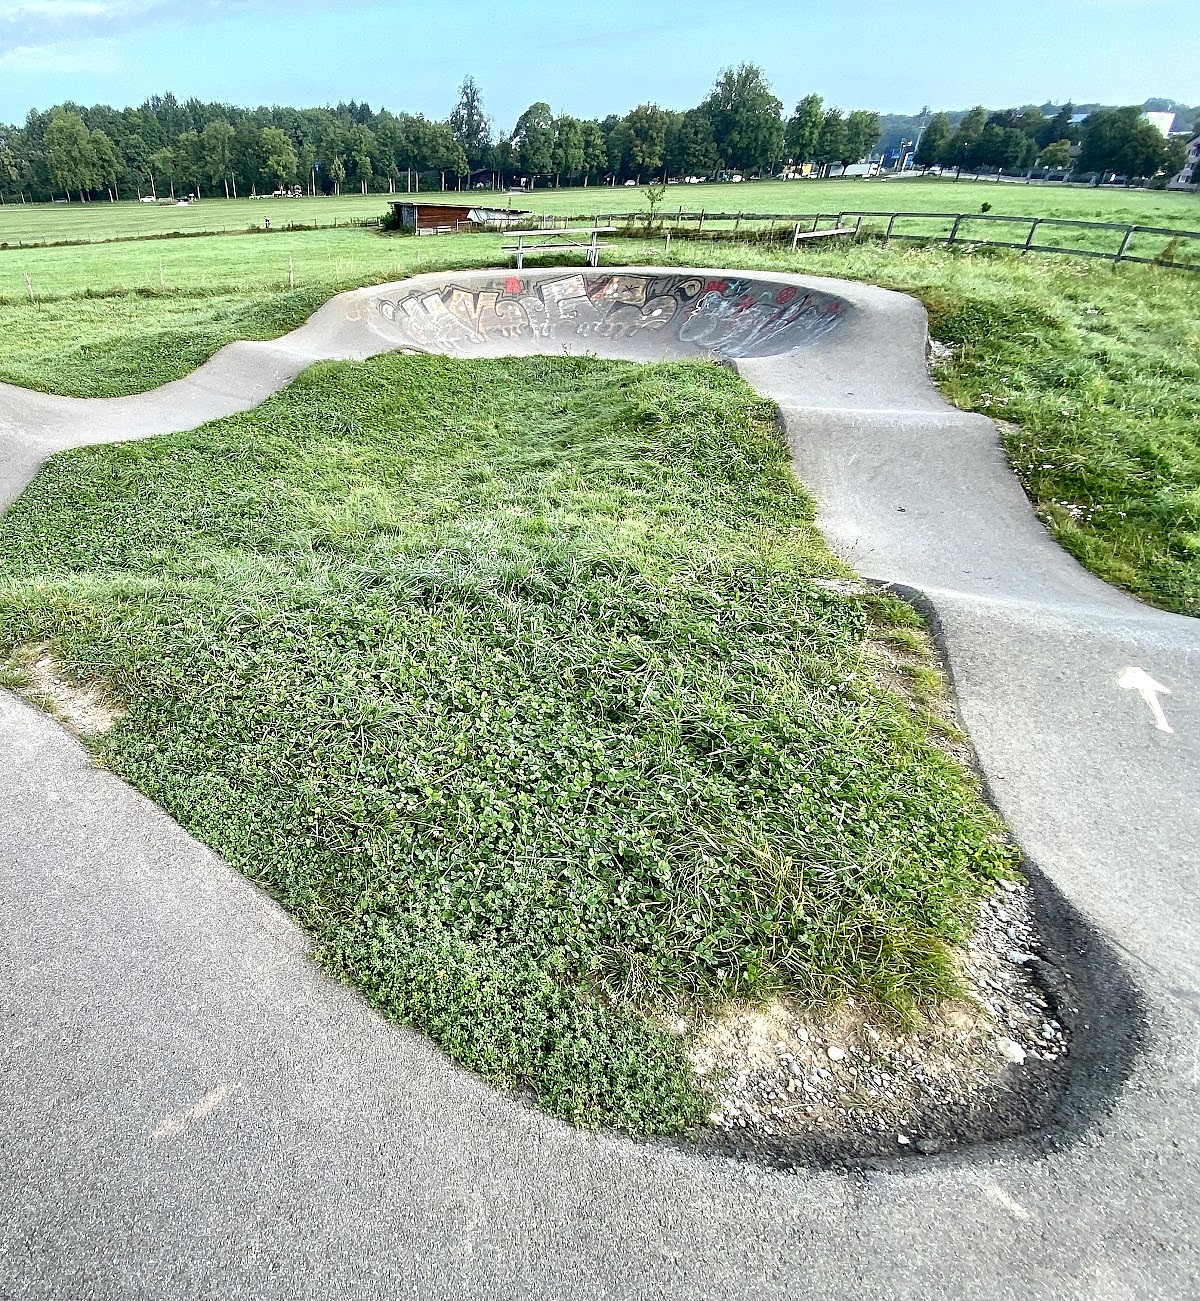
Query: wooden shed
[[441, 218]]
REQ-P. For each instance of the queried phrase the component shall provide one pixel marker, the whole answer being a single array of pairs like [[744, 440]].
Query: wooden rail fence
[[1125, 243]]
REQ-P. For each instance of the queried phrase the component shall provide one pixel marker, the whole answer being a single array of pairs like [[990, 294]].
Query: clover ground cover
[[522, 686]]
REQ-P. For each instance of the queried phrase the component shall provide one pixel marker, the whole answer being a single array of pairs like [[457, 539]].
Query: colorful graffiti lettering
[[734, 318]]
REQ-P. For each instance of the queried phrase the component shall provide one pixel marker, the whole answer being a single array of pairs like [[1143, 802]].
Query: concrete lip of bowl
[[627, 314]]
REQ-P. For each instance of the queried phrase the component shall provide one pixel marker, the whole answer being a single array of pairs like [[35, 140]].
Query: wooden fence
[[1115, 242]]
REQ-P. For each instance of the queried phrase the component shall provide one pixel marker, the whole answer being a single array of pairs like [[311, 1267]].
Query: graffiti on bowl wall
[[734, 317]]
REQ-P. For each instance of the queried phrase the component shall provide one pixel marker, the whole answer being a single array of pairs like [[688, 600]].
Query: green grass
[[1096, 366], [511, 680], [121, 318], [99, 221], [1093, 372], [51, 222]]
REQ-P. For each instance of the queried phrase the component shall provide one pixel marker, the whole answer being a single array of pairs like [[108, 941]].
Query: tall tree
[[691, 149], [969, 129], [616, 144], [108, 163], [595, 155], [1059, 126], [162, 169], [647, 126], [935, 140], [189, 161], [278, 166], [804, 130], [568, 147], [471, 126], [69, 153], [1120, 140], [831, 143], [1002, 147], [217, 140], [862, 135], [1174, 156], [391, 147], [446, 155], [363, 151], [745, 115], [533, 139]]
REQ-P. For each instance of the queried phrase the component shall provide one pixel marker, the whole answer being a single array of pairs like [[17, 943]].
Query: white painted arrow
[[1135, 679]]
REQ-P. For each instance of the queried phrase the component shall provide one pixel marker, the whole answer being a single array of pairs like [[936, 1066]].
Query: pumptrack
[[193, 1110]]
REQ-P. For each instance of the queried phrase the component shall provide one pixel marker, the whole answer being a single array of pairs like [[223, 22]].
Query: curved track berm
[[192, 1110]]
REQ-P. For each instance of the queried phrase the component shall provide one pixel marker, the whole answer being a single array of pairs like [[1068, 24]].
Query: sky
[[590, 59]]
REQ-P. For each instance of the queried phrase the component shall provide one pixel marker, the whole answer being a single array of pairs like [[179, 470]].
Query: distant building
[[434, 218], [1162, 121], [1188, 175]]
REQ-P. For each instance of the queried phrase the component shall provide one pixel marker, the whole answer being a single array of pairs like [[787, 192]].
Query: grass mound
[[110, 344], [511, 680], [1094, 368]]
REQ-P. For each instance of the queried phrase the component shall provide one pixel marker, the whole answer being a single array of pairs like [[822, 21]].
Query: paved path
[[191, 1109]]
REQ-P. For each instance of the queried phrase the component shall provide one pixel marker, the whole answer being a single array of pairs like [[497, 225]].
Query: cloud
[[89, 56], [34, 24]]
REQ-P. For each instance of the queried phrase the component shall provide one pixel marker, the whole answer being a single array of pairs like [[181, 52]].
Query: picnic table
[[541, 241]]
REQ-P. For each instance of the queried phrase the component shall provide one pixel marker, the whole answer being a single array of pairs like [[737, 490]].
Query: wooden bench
[[833, 232], [546, 241]]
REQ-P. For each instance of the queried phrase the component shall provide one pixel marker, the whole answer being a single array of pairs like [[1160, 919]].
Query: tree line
[[1109, 141], [165, 147]]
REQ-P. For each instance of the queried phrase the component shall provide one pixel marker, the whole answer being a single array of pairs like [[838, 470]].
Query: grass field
[[104, 221], [1093, 368], [518, 684]]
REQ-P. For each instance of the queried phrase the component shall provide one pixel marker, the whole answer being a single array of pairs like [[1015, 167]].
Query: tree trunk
[[235, 187]]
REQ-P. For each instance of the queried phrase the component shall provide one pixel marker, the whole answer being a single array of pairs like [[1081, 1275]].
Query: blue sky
[[589, 59]]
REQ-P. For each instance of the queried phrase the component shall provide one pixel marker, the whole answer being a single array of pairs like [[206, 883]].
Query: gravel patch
[[788, 1079]]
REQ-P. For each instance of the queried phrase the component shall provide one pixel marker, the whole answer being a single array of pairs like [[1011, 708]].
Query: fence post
[[1125, 244], [954, 228], [887, 234], [858, 226], [737, 223], [796, 238], [700, 227], [1029, 237]]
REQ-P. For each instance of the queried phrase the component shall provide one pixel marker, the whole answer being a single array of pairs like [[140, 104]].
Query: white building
[[1163, 121], [1189, 174]]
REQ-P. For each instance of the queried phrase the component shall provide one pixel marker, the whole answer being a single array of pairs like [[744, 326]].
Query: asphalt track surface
[[191, 1109]]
